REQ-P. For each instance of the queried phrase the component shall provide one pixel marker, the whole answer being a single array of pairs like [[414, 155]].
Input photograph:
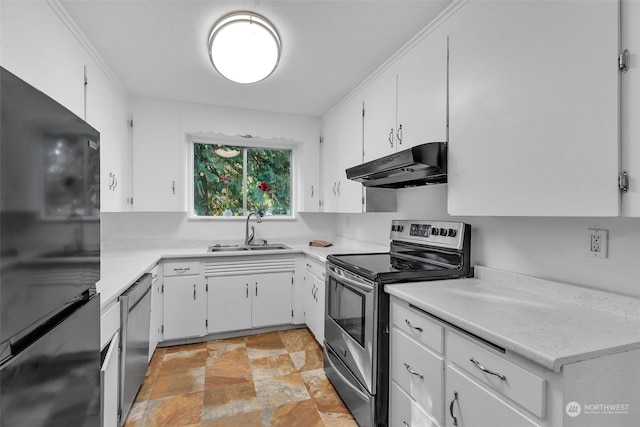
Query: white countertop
[[549, 323], [121, 267]]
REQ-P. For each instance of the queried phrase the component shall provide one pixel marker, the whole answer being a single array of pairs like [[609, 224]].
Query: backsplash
[[546, 248]]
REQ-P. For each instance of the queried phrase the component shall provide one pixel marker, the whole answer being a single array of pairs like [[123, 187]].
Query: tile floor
[[272, 379]]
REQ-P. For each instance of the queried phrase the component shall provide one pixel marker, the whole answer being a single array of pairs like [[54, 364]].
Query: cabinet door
[[349, 154], [319, 299], [157, 181], [272, 296], [310, 317], [533, 127], [422, 92], [107, 111], [309, 171], [229, 303], [185, 307], [109, 374], [155, 328], [379, 132], [475, 406]]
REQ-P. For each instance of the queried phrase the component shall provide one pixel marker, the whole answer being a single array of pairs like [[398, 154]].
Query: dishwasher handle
[[138, 291]]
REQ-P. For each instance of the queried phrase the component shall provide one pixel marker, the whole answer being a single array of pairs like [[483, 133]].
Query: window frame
[[244, 142]]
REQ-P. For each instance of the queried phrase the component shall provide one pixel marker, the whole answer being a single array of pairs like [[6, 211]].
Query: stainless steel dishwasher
[[135, 309]]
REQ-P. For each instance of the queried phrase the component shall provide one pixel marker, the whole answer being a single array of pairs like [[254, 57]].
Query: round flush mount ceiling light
[[244, 47]]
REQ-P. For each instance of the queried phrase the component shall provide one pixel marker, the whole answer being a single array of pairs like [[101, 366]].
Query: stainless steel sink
[[268, 247], [219, 248], [240, 248]]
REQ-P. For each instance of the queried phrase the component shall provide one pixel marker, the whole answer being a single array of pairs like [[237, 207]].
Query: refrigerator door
[[55, 381], [49, 207]]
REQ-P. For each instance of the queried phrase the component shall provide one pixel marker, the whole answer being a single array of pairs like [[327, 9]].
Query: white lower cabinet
[[471, 405], [156, 319], [459, 380], [184, 301], [109, 375], [249, 301], [314, 298], [404, 411]]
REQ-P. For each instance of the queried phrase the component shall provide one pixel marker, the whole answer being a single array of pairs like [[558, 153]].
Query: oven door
[[351, 323]]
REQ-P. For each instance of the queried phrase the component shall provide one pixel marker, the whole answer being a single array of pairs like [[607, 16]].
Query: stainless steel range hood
[[421, 165]]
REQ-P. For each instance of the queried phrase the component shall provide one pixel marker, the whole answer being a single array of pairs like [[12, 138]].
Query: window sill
[[241, 218]]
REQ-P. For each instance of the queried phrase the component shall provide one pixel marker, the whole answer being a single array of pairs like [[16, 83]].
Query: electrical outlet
[[597, 242]]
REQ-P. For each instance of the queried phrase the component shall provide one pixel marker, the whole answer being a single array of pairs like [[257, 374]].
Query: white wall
[[132, 228], [549, 248]]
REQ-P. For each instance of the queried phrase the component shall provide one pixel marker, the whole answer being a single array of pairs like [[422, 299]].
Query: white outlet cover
[[604, 243]]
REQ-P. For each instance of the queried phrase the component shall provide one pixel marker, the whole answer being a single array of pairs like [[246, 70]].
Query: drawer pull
[[483, 369], [406, 423], [412, 372], [455, 397], [417, 328]]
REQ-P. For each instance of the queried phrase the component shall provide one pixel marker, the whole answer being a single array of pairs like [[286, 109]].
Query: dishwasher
[[135, 309]]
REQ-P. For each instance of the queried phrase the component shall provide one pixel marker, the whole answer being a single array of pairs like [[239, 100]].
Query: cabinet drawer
[[418, 371], [475, 406], [405, 413], [181, 268], [517, 384], [417, 326], [315, 267]]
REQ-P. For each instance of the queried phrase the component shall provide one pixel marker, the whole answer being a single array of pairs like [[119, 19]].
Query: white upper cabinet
[[309, 172], [379, 129], [406, 105], [342, 149], [533, 126], [157, 179], [107, 111], [422, 93]]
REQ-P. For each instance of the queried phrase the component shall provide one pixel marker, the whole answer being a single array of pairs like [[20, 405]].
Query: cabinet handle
[[417, 328], [391, 138], [334, 188], [247, 290], [312, 191], [182, 270], [483, 369], [256, 288], [308, 265], [412, 372], [399, 134], [194, 292], [406, 424], [455, 397], [173, 187], [338, 188]]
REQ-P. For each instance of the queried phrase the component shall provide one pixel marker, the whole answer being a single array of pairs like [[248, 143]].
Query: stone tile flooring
[[272, 379]]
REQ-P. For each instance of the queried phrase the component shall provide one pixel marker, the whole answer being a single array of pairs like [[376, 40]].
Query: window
[[234, 180]]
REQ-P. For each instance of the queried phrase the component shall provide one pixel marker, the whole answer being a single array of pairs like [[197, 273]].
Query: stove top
[[420, 250]]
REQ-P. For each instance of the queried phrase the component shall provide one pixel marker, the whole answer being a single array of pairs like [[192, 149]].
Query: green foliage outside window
[[220, 188]]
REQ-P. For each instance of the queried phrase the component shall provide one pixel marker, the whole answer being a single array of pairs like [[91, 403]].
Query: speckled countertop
[[121, 267], [549, 323]]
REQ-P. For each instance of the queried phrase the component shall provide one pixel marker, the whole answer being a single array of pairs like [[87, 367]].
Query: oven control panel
[[439, 233]]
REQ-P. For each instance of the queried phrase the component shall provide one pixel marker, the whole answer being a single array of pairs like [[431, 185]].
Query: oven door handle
[[363, 286]]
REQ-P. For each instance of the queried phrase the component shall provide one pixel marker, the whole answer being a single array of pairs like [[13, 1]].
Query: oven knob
[[452, 232], [394, 228], [400, 228], [435, 232], [443, 231]]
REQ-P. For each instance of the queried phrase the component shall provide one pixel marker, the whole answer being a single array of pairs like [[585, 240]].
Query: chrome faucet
[[249, 238]]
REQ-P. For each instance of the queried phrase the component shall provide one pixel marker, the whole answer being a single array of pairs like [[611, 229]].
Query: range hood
[[421, 165]]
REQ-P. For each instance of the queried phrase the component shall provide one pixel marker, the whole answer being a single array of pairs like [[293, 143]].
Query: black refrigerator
[[49, 262]]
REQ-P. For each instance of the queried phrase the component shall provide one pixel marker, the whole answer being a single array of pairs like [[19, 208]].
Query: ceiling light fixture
[[244, 47]]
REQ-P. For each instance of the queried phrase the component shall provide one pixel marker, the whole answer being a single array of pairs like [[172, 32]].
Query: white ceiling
[[158, 48]]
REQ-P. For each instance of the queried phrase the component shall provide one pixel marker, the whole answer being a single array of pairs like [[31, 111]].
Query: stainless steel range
[[356, 350]]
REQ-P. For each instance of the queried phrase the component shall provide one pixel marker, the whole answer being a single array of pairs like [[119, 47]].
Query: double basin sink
[[240, 248]]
